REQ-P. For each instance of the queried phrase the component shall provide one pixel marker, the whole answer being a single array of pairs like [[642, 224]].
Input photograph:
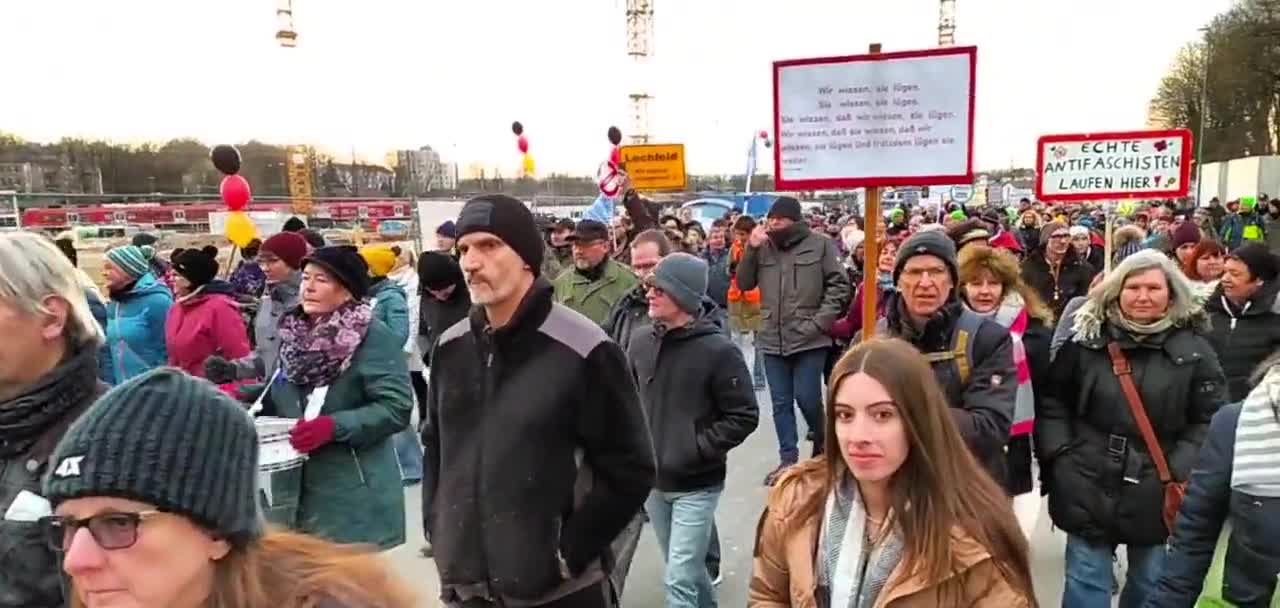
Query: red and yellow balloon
[[527, 167], [236, 195]]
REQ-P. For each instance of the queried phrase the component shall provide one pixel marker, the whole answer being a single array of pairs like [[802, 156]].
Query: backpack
[[962, 338]]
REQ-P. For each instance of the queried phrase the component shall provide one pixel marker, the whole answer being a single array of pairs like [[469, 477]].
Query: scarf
[[850, 573], [314, 352], [1103, 304], [24, 418], [1012, 314], [1255, 466], [1139, 331]]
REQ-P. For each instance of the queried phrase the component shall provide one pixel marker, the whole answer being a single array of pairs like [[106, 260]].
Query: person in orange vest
[[744, 306]]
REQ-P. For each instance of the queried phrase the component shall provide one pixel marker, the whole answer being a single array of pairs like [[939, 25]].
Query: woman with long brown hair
[[898, 514], [155, 506]]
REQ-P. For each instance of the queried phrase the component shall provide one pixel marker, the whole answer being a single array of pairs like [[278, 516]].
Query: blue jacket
[[1253, 557], [135, 328], [391, 306]]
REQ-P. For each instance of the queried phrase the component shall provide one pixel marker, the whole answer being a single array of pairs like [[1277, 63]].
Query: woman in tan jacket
[[903, 518]]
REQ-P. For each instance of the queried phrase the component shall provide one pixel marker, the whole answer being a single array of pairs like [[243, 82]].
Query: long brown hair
[[940, 486], [291, 570]]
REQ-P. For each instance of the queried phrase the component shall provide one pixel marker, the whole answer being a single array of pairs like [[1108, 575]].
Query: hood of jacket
[[286, 291], [216, 288], [1185, 308], [702, 325], [1261, 302], [147, 284], [384, 288]]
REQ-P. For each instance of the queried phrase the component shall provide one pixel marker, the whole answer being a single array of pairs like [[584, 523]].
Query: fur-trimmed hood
[[1186, 306]]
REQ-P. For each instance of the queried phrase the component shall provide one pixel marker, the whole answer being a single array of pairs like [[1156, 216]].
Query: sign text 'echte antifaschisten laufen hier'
[[1098, 166]]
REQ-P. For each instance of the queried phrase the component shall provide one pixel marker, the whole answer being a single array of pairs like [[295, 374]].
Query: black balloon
[[615, 136], [517, 128], [226, 159]]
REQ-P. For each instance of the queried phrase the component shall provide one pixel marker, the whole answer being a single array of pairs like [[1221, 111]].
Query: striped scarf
[[851, 574], [1012, 314], [1255, 467]]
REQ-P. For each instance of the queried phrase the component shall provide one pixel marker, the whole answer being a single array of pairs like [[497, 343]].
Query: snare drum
[[279, 471]]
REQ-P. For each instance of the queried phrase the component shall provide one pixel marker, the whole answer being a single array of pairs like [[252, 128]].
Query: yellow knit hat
[[380, 258]]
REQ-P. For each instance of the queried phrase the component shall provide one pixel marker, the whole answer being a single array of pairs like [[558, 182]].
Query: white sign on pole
[[887, 119], [962, 193], [1097, 166]]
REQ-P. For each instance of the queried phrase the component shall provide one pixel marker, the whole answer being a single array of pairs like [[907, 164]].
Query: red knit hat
[[288, 246]]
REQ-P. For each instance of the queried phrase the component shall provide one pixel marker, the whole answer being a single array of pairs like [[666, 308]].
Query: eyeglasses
[[111, 531]]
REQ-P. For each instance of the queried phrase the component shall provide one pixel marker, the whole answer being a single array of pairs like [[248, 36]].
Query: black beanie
[[507, 219], [1261, 262], [293, 224], [196, 266], [168, 439], [930, 242], [786, 207], [438, 270], [346, 265]]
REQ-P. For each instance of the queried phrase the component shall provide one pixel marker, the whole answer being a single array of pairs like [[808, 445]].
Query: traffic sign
[[962, 193], [655, 166]]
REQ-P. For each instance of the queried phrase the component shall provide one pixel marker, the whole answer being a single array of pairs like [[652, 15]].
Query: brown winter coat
[[783, 574]]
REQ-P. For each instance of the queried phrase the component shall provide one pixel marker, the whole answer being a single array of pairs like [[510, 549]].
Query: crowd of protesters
[[1010, 358]]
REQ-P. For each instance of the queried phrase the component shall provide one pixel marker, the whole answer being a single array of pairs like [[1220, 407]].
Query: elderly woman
[[992, 287], [136, 312], [48, 378], [1106, 485], [345, 377], [159, 524]]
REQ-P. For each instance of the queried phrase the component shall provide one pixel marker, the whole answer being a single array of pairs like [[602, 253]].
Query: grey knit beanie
[[684, 278], [171, 440], [928, 242]]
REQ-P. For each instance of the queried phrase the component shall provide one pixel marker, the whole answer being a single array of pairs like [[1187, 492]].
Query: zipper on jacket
[[359, 470]]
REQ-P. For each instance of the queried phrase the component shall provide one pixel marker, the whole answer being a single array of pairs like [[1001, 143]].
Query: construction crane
[[285, 34], [639, 46], [298, 165], [947, 23]]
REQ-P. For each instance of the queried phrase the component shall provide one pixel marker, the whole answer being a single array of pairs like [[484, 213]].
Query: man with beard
[[596, 282], [972, 357], [48, 378], [803, 290], [548, 453], [1055, 270]]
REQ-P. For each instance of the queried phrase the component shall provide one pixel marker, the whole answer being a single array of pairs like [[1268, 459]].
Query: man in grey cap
[[971, 356], [698, 397]]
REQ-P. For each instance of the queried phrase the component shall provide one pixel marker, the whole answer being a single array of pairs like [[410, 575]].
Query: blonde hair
[[32, 269]]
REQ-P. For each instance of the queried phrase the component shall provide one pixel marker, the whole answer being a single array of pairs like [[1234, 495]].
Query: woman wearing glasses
[[154, 507]]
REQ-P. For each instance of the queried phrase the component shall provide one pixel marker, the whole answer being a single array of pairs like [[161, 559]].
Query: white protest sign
[[887, 119], [1098, 166]]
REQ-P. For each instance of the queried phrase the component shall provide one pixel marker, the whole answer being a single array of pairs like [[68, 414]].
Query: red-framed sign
[[886, 119], [1113, 165]]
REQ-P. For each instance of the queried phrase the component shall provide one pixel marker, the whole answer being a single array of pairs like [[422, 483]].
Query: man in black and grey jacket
[[699, 401], [545, 455]]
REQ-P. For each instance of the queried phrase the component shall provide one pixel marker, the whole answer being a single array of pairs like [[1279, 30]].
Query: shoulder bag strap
[[1124, 373]]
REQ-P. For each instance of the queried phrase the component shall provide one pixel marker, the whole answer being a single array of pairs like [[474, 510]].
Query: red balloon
[[615, 156], [522, 142], [235, 192], [764, 135]]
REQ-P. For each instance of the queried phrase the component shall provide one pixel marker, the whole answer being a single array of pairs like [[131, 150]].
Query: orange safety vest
[[735, 294]]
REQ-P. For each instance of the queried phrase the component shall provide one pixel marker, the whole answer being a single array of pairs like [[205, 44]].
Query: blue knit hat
[[134, 260]]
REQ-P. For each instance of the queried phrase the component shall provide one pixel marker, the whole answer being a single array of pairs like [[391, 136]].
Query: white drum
[[274, 450], [279, 471]]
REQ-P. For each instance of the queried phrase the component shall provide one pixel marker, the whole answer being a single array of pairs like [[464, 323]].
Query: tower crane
[[947, 22], [639, 45]]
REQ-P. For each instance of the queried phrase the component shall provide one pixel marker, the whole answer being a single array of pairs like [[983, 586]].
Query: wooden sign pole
[[870, 251]]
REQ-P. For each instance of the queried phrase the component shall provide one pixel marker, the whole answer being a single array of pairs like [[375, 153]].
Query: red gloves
[[310, 435]]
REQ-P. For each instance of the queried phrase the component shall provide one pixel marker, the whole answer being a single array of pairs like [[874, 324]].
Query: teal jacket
[[391, 306], [135, 329], [351, 488]]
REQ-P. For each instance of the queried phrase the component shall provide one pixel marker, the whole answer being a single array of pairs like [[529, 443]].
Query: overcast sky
[[376, 75]]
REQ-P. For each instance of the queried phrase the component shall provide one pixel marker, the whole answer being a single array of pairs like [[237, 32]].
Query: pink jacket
[[205, 324]]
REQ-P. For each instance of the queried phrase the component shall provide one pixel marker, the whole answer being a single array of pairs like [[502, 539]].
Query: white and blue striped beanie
[[133, 260]]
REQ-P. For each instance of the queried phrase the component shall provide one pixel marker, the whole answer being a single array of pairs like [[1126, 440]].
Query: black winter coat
[[1243, 338], [537, 450], [1101, 481], [698, 398], [630, 314], [982, 409], [1253, 556], [435, 316], [1074, 276]]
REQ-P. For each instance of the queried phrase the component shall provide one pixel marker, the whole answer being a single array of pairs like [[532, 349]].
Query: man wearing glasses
[[1055, 270]]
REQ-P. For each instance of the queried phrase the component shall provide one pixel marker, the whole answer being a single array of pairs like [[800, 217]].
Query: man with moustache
[[545, 454]]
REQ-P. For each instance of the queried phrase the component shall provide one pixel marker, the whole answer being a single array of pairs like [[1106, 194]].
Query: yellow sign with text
[[655, 166]]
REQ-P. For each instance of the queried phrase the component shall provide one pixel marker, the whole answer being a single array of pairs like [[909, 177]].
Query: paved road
[[740, 507]]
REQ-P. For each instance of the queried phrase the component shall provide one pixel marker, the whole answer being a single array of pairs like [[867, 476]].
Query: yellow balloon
[[529, 167], [240, 229]]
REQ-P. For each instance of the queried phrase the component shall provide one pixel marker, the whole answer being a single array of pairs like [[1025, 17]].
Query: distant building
[[423, 171], [357, 179], [21, 177]]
